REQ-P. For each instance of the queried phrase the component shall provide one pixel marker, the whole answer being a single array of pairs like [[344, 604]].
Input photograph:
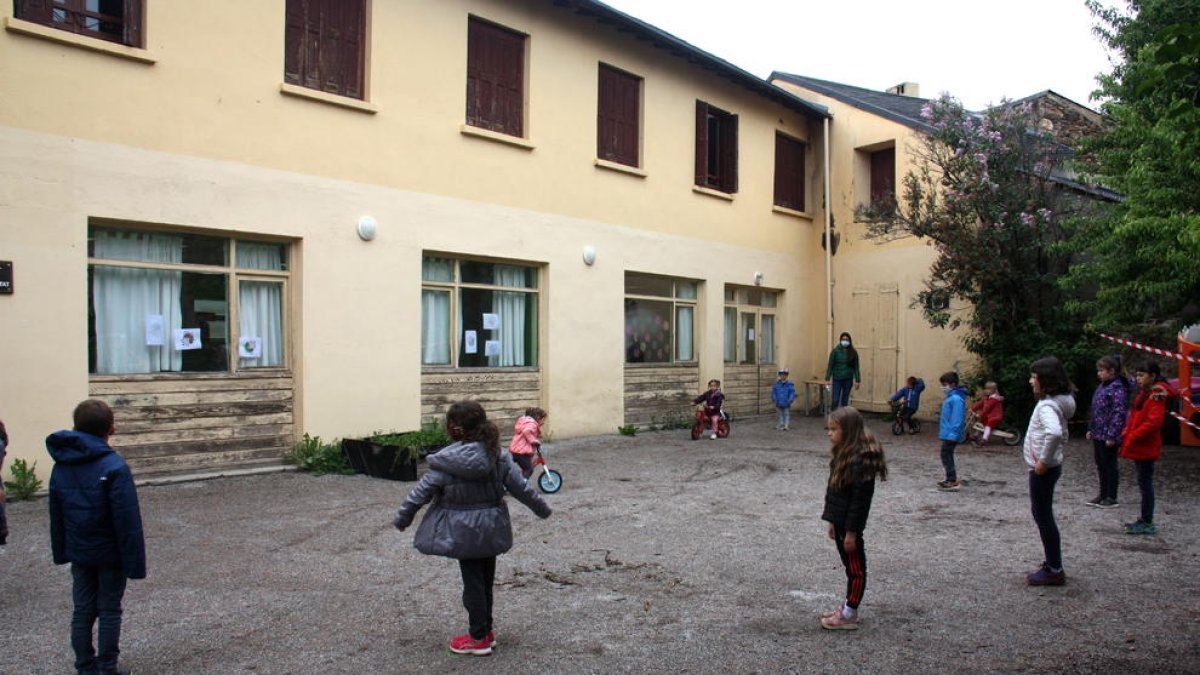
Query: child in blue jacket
[[952, 428], [96, 525], [908, 399], [783, 392]]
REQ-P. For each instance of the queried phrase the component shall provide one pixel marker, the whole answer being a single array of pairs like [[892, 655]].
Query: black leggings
[[478, 575]]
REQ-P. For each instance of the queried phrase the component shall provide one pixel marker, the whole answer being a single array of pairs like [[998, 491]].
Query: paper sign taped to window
[[250, 347], [187, 338], [156, 332], [470, 342], [491, 321], [491, 348]]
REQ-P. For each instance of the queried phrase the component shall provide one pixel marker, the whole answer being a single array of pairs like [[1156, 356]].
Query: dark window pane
[[642, 284], [514, 341], [497, 274], [648, 331]]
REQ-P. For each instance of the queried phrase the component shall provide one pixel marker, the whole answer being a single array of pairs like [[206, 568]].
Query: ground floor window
[[181, 302], [478, 314], [749, 323], [660, 319]]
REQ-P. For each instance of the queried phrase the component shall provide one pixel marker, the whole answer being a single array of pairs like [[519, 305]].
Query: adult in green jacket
[[842, 371]]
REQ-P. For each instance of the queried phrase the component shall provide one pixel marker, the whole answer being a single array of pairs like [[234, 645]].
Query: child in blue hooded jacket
[[952, 427], [96, 525], [783, 392]]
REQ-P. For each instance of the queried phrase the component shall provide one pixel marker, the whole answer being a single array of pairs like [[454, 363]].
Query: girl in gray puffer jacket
[[469, 520]]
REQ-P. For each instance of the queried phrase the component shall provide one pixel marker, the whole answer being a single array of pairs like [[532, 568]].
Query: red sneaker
[[465, 644]]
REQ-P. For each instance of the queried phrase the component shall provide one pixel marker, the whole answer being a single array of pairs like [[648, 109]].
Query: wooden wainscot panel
[[200, 421], [659, 392], [504, 393]]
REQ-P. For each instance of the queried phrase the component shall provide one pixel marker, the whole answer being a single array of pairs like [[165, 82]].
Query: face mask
[[945, 387], [845, 343]]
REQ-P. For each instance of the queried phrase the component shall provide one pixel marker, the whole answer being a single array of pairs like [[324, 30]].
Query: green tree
[[982, 196], [1143, 276]]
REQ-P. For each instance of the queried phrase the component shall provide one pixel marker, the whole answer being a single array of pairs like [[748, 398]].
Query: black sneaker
[[1108, 504], [1095, 501]]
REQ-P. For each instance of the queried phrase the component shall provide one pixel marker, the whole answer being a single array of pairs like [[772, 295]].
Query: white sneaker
[[785, 427], [713, 436]]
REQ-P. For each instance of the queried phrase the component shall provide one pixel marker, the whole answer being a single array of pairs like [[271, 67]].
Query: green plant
[[311, 454], [671, 421], [628, 429], [24, 480]]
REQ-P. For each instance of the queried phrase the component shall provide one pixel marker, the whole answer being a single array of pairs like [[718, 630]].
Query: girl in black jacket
[[855, 461]]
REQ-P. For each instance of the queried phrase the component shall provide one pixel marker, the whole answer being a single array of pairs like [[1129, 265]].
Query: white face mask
[[845, 343], [945, 387]]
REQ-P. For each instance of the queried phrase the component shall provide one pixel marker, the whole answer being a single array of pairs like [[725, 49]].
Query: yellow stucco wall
[[202, 138], [861, 264]]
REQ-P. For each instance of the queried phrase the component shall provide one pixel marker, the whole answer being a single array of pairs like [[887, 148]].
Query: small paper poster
[[155, 330], [491, 348], [491, 321], [250, 347], [751, 334], [470, 342], [187, 338]]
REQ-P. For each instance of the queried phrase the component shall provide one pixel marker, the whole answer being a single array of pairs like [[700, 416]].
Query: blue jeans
[[785, 414], [1041, 501], [1145, 473], [97, 593], [948, 460], [841, 393]]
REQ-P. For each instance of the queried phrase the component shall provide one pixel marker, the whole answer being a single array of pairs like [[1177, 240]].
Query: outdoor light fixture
[[589, 255], [758, 278], [366, 228]]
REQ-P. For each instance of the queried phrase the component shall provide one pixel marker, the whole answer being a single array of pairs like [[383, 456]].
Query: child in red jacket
[[1142, 440], [989, 410]]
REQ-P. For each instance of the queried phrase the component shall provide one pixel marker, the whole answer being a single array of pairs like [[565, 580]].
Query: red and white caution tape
[[1183, 420], [1153, 350]]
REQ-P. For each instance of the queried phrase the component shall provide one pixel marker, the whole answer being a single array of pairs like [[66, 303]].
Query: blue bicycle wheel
[[550, 481]]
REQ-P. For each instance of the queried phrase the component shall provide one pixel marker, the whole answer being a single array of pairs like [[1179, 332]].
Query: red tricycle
[[704, 424]]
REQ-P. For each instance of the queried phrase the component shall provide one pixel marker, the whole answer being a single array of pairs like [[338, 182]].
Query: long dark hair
[[857, 443], [1051, 375], [466, 421], [851, 352]]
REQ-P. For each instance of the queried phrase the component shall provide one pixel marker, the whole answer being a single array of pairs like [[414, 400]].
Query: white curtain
[[744, 353], [730, 335], [766, 339], [511, 308], [435, 327], [684, 333], [260, 314], [260, 256], [123, 297]]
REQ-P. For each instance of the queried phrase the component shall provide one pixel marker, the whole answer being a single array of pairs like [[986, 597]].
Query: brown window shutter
[[606, 117], [801, 203], [495, 78], [33, 10], [617, 116], [294, 34], [789, 172], [701, 143], [782, 170], [729, 154], [133, 23], [883, 175]]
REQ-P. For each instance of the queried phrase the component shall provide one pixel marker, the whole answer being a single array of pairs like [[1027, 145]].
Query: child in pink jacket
[[527, 435]]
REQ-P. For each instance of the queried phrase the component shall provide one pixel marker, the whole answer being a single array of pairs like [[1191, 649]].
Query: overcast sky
[[977, 51]]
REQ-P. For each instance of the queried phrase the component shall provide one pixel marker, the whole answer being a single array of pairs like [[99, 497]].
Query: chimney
[[906, 89]]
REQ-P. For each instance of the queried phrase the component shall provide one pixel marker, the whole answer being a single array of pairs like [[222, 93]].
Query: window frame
[[618, 116], [791, 155], [756, 302], [484, 110], [716, 168], [42, 12], [349, 78], [233, 275], [881, 189], [455, 286], [675, 301]]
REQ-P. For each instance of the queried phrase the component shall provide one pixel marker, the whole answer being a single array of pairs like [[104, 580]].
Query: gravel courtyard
[[663, 555]]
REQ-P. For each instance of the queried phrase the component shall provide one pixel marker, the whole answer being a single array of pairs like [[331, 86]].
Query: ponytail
[[467, 421]]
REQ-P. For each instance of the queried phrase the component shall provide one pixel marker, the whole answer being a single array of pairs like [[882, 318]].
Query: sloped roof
[[899, 108], [661, 39]]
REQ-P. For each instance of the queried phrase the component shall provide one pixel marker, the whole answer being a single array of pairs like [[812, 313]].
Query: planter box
[[392, 462]]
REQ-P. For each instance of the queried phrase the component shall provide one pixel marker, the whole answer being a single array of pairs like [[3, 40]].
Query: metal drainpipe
[[828, 243]]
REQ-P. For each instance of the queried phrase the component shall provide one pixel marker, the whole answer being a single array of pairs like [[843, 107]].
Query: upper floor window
[[324, 46], [750, 324], [117, 21], [789, 172], [716, 148], [660, 319], [182, 302], [883, 176], [495, 78], [478, 314], [618, 118]]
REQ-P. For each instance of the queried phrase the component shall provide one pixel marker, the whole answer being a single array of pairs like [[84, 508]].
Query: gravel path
[[664, 555]]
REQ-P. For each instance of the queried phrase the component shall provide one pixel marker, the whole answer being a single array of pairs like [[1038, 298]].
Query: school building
[[240, 222]]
